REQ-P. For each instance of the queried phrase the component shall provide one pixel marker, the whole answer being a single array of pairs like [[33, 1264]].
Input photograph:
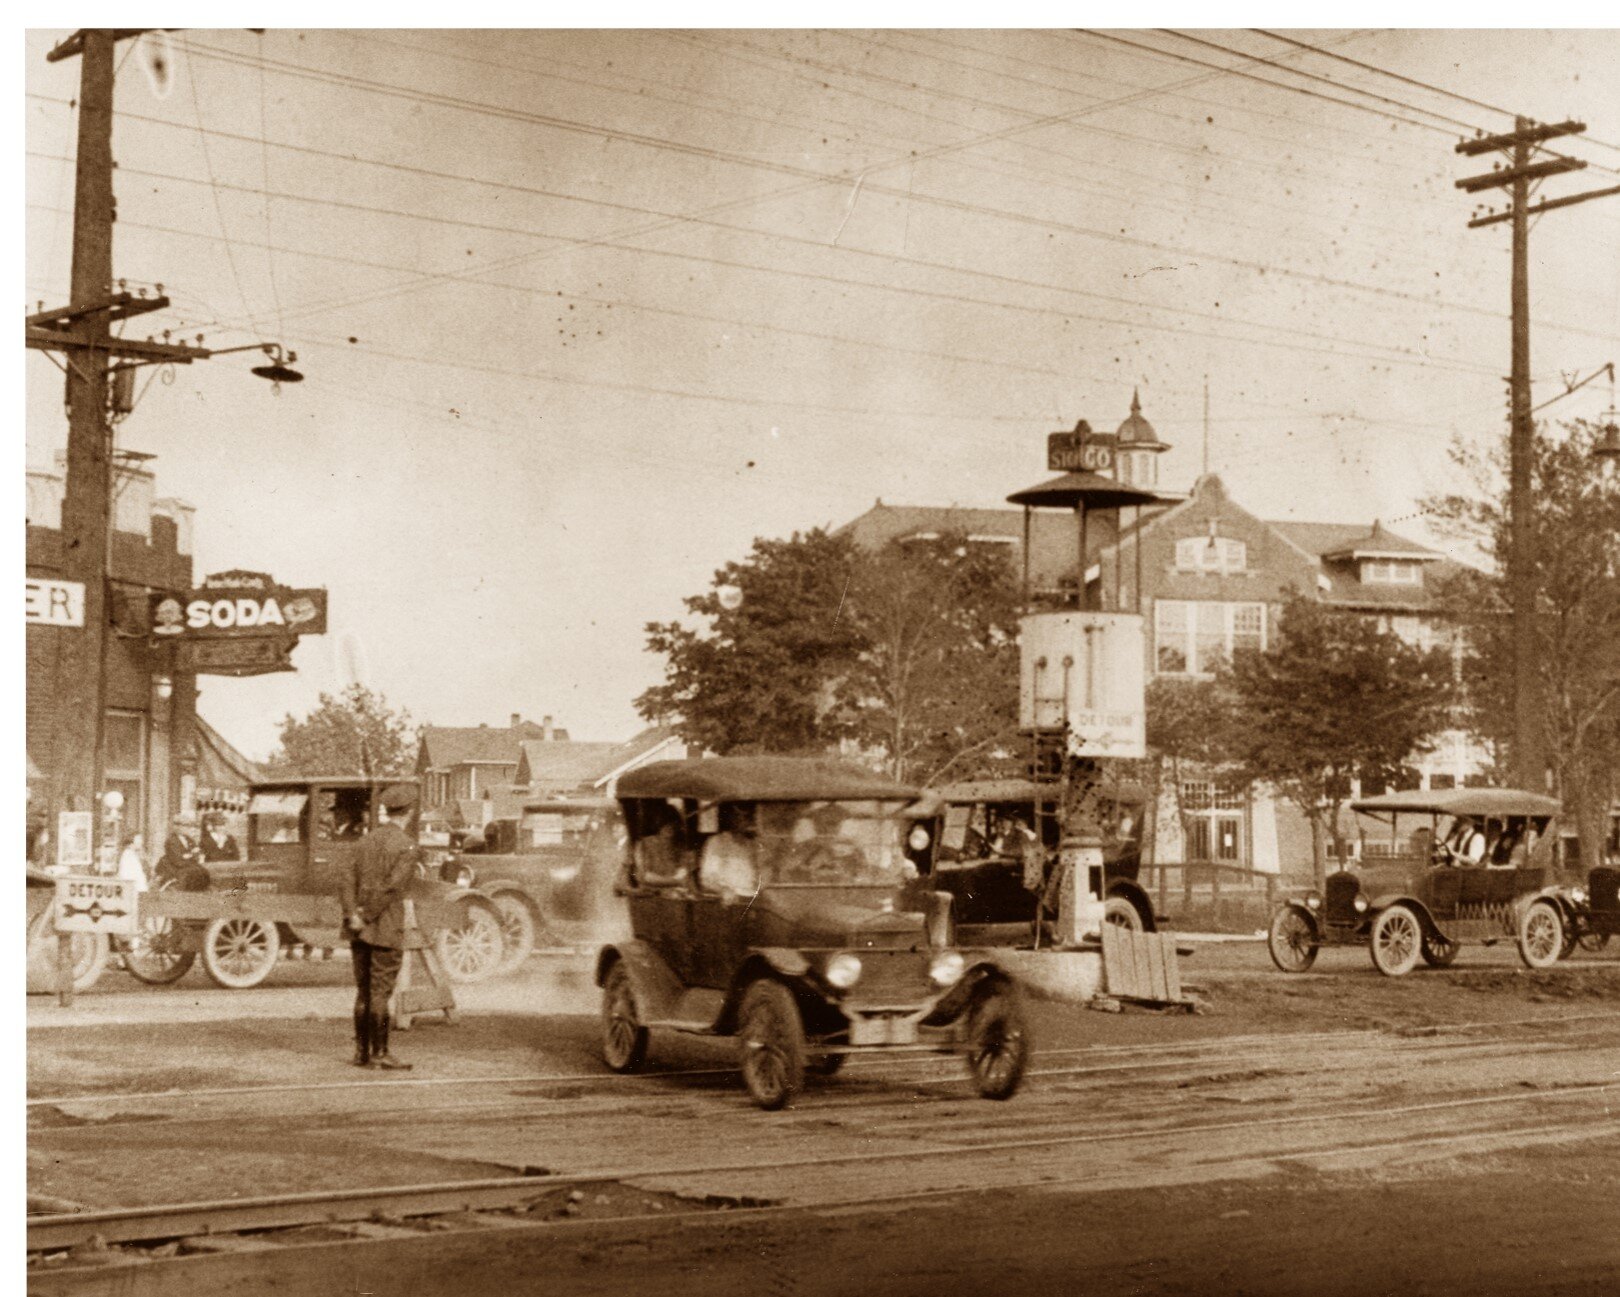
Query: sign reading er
[[225, 613], [87, 903], [55, 603]]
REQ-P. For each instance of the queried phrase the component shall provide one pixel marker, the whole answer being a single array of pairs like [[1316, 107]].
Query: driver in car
[[727, 863], [821, 846]]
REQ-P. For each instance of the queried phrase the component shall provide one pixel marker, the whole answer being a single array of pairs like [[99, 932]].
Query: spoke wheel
[[1593, 941], [239, 953], [1438, 952], [1396, 941], [1291, 939], [772, 1037], [624, 1039], [1541, 935], [518, 930], [998, 1043], [471, 948]]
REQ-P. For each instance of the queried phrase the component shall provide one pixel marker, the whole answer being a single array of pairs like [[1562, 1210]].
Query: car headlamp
[[843, 970], [1314, 901], [918, 839], [947, 968], [1361, 904], [1578, 895]]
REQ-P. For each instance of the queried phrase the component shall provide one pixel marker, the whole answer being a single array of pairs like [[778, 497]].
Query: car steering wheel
[[827, 856]]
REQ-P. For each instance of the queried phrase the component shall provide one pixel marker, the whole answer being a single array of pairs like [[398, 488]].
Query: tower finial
[[1136, 401]]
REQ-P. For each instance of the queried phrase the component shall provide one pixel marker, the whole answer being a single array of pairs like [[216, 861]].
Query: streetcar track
[[1410, 1036], [56, 1232]]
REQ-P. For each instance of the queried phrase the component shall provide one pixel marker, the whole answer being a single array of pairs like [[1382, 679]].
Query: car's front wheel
[[771, 1033], [1291, 939], [1541, 935], [998, 1043], [1396, 941], [1438, 952], [518, 930], [624, 1039]]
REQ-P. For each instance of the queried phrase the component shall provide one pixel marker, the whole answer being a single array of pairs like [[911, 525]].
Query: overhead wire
[[815, 179]]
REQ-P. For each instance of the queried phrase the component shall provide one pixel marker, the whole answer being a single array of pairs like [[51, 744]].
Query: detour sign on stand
[[95, 903]]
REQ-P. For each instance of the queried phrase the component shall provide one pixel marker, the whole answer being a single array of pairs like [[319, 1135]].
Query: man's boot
[[380, 1057], [362, 1038]]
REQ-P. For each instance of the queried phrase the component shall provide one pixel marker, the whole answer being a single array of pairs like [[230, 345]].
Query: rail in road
[[1113, 1134], [1407, 1131]]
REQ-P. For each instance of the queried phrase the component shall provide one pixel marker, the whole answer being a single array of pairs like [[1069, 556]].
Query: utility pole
[[1528, 754], [82, 332]]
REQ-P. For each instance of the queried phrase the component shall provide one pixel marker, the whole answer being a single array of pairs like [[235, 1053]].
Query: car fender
[[1378, 904], [986, 968], [653, 982], [1299, 901], [1133, 892], [1561, 901], [507, 887]]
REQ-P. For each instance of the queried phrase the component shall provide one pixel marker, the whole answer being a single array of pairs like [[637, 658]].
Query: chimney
[[545, 727], [517, 719]]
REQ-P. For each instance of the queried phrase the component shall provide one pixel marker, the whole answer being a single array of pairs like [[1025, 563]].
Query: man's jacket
[[380, 872]]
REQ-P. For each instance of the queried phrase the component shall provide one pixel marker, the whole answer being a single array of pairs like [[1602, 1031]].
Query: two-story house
[[461, 763]]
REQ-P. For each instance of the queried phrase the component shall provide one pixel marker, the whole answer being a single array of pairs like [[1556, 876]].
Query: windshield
[[837, 844]]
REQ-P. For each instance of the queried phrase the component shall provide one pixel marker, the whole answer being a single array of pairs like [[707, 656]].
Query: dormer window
[[1391, 572], [1212, 554]]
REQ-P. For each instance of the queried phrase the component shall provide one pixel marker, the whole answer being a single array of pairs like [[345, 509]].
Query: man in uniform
[[372, 889]]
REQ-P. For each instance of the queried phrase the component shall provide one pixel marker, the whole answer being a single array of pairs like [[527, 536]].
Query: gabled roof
[[569, 764], [1334, 541], [445, 746]]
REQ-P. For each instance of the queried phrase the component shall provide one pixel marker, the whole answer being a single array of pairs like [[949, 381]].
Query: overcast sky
[[583, 313]]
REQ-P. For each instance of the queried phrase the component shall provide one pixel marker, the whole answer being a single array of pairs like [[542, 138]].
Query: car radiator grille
[[890, 978], [1342, 890]]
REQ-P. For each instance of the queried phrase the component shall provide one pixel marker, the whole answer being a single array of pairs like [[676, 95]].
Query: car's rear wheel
[[825, 1065], [1291, 939], [1396, 941], [624, 1039], [1438, 952], [239, 953], [998, 1043], [1541, 935], [1593, 940], [518, 930], [771, 1033]]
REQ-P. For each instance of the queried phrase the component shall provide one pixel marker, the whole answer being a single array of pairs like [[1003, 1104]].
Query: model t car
[[301, 834], [994, 847], [1597, 904], [550, 871], [1477, 866], [771, 900]]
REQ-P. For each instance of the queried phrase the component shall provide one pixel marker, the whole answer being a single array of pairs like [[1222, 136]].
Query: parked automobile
[[301, 833], [1596, 904], [550, 871], [982, 834], [1477, 866], [770, 900]]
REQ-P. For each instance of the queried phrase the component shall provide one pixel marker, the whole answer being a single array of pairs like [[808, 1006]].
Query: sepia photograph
[[881, 654]]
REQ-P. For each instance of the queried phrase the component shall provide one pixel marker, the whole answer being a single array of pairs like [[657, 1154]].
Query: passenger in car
[[727, 865]]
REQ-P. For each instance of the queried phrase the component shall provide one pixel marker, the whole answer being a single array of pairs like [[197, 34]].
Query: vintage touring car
[[771, 899], [981, 833], [1477, 866]]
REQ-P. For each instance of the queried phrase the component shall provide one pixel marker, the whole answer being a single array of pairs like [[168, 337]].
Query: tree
[[1576, 536], [910, 652], [935, 686], [353, 733], [1335, 698], [763, 674]]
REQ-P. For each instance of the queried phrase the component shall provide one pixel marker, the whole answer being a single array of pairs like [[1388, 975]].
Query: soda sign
[[219, 613]]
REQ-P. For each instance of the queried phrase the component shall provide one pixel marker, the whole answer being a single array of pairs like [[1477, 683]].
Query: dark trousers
[[376, 969]]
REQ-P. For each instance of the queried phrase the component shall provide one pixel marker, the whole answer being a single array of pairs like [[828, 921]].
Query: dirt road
[[1337, 1133]]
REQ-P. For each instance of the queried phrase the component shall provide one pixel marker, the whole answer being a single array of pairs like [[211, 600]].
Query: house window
[[1137, 469], [1214, 814], [1391, 572], [1192, 637], [1212, 554]]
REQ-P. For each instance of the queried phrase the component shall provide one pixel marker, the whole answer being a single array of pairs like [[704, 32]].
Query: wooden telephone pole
[[82, 333], [1528, 753]]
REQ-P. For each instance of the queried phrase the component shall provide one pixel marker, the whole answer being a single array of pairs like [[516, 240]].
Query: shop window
[[123, 747]]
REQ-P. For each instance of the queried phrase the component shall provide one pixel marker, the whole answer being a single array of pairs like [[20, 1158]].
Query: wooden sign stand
[[432, 994]]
